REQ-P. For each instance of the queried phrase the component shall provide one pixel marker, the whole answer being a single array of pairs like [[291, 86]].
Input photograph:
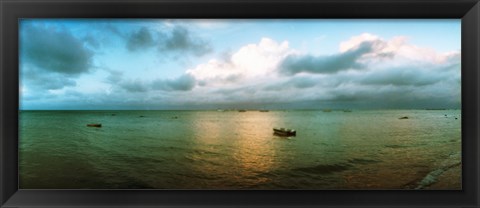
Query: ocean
[[357, 150]]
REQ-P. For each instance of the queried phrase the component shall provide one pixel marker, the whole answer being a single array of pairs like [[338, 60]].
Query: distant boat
[[405, 117], [242, 110], [284, 132], [94, 125], [327, 110], [264, 110]]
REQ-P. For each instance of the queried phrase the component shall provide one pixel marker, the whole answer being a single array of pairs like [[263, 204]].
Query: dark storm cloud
[[303, 82], [54, 50], [403, 77], [238, 92], [178, 40], [133, 86], [140, 39], [42, 81], [182, 40], [295, 64], [53, 82], [185, 82], [412, 75], [93, 42], [114, 76], [294, 82], [390, 97]]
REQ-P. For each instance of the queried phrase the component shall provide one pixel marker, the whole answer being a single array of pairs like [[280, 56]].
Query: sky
[[181, 64]]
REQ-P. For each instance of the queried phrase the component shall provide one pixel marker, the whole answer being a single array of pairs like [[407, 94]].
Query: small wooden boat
[[242, 111], [284, 132], [94, 125], [405, 117], [264, 110]]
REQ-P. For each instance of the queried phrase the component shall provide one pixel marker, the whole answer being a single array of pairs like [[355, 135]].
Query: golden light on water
[[254, 150]]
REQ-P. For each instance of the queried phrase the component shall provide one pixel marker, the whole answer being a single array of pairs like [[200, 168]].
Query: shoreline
[[447, 177]]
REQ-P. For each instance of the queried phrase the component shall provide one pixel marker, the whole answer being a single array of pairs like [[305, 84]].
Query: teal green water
[[237, 150]]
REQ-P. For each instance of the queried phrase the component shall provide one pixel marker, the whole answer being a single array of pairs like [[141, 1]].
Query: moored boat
[[94, 125], [284, 132]]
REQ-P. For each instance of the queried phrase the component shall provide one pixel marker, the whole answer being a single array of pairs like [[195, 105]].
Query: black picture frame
[[12, 10]]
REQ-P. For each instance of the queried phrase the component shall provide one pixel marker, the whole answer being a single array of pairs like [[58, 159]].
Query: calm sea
[[364, 149]]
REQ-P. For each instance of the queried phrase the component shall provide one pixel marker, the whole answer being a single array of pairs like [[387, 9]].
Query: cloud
[[185, 82], [54, 49], [303, 82], [177, 40], [117, 81], [133, 85], [40, 81], [112, 29], [114, 76], [367, 71], [295, 64], [93, 42], [405, 76], [398, 48], [389, 96], [299, 82], [250, 61], [181, 40], [51, 58], [140, 39]]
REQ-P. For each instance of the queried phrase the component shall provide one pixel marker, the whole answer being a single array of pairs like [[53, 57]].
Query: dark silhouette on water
[[284, 132], [95, 125]]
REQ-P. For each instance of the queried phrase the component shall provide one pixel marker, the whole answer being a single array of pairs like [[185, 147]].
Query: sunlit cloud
[[252, 60]]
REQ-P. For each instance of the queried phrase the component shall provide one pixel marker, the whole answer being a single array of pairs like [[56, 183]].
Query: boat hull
[[94, 125], [284, 132]]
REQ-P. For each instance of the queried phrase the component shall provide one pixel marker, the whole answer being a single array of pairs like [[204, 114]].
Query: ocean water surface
[[362, 149]]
